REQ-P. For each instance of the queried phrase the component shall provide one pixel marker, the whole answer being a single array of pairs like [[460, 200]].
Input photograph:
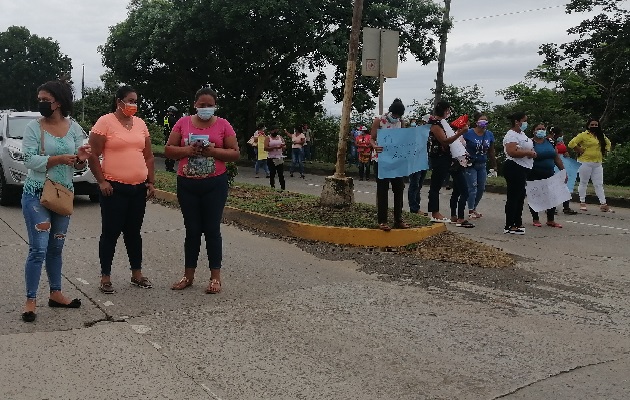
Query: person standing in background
[[364, 151], [307, 144], [259, 148], [297, 154], [170, 119], [591, 146]]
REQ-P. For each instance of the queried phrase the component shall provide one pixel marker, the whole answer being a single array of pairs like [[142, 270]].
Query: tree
[[27, 61], [98, 101], [464, 100], [596, 63], [265, 58]]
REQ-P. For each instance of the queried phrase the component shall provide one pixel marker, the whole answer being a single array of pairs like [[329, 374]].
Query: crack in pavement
[[558, 374]]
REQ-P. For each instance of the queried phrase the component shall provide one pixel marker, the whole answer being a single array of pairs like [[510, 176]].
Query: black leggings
[[515, 178], [273, 169], [459, 197], [439, 172], [382, 192], [122, 212], [202, 202]]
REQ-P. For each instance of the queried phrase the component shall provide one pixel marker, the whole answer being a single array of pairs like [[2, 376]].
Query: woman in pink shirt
[[125, 177], [202, 143]]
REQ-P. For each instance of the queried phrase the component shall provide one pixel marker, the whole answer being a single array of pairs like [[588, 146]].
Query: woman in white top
[[519, 159]]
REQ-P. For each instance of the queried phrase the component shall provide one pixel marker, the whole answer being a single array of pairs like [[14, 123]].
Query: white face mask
[[205, 113]]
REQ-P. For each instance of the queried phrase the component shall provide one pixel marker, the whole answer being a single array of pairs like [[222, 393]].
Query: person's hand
[[207, 151], [150, 190], [66, 159], [106, 188], [84, 152], [193, 150], [378, 149], [532, 154], [567, 155], [463, 130], [566, 179]]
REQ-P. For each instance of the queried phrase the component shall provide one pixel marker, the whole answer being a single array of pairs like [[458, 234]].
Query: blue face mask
[[205, 113], [391, 119], [413, 124], [523, 125], [540, 134]]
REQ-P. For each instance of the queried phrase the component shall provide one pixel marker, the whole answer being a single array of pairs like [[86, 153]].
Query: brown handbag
[[55, 196]]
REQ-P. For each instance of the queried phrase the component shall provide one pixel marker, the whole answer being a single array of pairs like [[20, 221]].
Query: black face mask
[[594, 129], [45, 109]]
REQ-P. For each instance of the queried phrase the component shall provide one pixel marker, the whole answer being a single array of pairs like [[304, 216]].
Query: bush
[[232, 171], [617, 166], [157, 133]]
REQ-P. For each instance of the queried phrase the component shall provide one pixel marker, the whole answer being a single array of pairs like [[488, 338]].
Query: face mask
[[523, 125], [129, 109], [205, 113], [45, 109], [593, 129], [413, 125], [540, 134], [560, 139], [482, 123], [391, 119]]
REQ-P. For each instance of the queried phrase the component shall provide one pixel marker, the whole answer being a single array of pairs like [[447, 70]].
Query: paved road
[[291, 324]]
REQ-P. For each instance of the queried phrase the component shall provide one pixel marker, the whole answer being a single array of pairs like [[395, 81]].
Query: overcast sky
[[485, 47]]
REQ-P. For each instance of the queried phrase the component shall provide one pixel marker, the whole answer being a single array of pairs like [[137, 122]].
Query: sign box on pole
[[380, 46]]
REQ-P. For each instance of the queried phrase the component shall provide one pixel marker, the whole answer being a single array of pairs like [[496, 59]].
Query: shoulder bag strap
[[42, 150]]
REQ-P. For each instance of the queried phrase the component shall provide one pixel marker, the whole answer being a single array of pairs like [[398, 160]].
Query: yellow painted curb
[[329, 234]]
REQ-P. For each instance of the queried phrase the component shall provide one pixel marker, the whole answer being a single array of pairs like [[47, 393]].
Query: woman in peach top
[[125, 177]]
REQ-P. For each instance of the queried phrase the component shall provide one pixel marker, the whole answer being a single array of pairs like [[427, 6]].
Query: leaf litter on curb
[[446, 247]]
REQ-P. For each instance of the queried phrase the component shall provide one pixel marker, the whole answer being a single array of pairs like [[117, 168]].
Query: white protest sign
[[457, 147], [547, 193]]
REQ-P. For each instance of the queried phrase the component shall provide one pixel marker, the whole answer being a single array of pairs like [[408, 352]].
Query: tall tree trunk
[[439, 81]]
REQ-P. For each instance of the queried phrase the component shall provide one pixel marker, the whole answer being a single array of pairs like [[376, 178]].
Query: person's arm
[[492, 156], [82, 151], [576, 144], [608, 144], [267, 148], [512, 150], [97, 144], [373, 131], [558, 162], [302, 139], [175, 151], [33, 160], [228, 153], [440, 134], [149, 159]]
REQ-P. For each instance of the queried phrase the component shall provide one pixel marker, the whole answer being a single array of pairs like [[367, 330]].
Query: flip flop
[[443, 220], [554, 224], [384, 227], [537, 224]]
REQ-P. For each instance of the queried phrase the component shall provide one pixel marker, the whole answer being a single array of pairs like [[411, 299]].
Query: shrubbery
[[617, 166]]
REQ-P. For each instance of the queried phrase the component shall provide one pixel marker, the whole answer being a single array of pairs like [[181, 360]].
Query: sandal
[[384, 227], [107, 288], [606, 208], [182, 284], [143, 282], [537, 224], [401, 225], [214, 287], [583, 207], [465, 224], [554, 224]]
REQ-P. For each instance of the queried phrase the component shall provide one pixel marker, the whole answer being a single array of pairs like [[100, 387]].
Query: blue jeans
[[202, 202], [476, 177], [45, 243], [413, 193], [297, 158], [307, 151]]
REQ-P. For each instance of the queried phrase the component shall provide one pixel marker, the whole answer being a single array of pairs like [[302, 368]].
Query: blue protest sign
[[571, 167], [404, 151]]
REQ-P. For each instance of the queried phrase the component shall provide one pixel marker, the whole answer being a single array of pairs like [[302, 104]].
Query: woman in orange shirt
[[125, 177]]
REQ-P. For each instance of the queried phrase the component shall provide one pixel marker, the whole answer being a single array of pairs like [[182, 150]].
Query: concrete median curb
[[329, 234]]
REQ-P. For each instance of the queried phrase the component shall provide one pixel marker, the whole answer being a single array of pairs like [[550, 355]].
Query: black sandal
[[76, 303], [29, 316]]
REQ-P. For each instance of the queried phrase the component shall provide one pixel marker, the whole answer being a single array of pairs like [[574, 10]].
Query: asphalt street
[[291, 324]]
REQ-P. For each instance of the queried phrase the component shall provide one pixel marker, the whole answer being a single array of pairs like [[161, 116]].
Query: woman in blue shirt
[[546, 159], [480, 147]]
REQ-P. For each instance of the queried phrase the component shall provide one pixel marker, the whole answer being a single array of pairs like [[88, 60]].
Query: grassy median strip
[[295, 206]]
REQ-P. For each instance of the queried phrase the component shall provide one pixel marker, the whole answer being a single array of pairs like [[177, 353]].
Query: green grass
[[295, 206]]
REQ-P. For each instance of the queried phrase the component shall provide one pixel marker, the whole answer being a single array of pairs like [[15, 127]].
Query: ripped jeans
[[46, 237]]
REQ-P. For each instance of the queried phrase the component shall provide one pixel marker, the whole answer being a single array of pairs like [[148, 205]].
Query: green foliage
[[266, 59], [464, 100], [157, 133], [232, 171], [95, 102], [325, 136], [27, 61], [617, 166]]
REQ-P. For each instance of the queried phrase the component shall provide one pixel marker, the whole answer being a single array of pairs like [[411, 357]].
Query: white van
[[12, 169]]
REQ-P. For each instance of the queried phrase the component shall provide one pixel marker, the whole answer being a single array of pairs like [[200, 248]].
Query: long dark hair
[[516, 117], [599, 134]]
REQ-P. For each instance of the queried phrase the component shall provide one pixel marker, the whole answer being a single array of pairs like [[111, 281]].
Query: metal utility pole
[[439, 82], [338, 189], [83, 95]]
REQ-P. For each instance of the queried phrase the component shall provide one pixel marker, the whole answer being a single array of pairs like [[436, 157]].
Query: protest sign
[[547, 193], [404, 151], [571, 166]]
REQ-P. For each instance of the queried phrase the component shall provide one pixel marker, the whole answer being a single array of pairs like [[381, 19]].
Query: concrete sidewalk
[[296, 324]]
